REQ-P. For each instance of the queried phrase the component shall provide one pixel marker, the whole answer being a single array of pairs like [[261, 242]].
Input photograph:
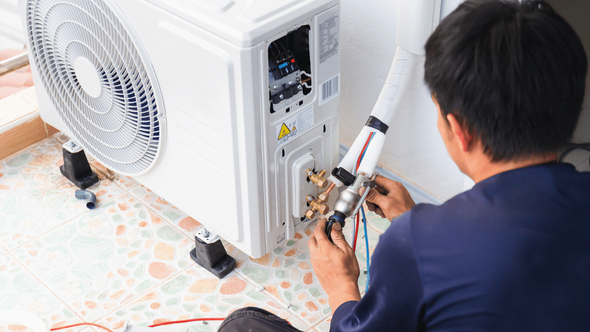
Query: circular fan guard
[[119, 124]]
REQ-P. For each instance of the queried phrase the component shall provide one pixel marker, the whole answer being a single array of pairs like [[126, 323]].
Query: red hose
[[356, 232], [185, 321], [358, 162]]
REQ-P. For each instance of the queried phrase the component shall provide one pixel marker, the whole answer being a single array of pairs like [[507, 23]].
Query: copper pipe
[[332, 185]]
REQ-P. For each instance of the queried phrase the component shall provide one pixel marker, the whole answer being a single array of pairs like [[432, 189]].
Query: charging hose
[[367, 246]]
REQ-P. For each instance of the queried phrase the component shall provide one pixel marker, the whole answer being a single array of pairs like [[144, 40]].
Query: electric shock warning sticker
[[294, 125]]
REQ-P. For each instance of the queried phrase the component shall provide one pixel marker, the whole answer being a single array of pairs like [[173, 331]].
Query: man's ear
[[460, 132]]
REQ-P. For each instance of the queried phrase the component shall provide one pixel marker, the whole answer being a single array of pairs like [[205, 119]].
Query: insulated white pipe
[[416, 20], [393, 90], [398, 78], [351, 156], [372, 154]]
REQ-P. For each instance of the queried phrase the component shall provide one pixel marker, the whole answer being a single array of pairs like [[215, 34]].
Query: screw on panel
[[274, 87], [281, 96], [310, 147]]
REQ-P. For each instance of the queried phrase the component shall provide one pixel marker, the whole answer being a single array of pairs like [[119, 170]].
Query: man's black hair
[[513, 74]]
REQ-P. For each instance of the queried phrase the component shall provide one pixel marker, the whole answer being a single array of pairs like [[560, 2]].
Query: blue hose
[[367, 246]]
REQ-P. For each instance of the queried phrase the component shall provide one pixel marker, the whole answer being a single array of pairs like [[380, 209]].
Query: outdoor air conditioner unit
[[220, 106]]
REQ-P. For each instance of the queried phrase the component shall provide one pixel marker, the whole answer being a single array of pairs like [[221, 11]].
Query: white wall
[[582, 134], [11, 29], [413, 148]]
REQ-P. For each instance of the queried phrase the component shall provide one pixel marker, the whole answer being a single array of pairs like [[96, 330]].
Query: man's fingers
[[338, 237], [312, 243], [386, 183], [372, 207], [376, 198], [380, 212], [320, 231]]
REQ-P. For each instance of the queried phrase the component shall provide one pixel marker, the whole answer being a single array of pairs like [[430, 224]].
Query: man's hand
[[335, 265], [389, 198]]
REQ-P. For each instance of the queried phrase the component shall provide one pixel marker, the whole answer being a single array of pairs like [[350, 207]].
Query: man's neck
[[482, 168]]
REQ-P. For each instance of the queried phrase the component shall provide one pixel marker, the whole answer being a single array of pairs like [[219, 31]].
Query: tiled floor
[[127, 262]]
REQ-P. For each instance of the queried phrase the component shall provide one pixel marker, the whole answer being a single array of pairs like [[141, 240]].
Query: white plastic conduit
[[399, 75], [416, 20], [389, 98], [388, 102]]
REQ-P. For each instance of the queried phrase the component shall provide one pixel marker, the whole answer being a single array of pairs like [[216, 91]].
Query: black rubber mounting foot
[[77, 169], [213, 257]]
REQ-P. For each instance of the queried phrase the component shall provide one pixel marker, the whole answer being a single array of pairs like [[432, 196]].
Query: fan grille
[[120, 127]]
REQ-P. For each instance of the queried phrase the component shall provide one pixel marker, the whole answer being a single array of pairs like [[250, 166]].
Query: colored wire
[[80, 324], [353, 235], [367, 247], [356, 232], [362, 154], [185, 321]]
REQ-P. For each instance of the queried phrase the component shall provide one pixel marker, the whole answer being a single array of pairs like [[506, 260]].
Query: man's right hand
[[389, 198]]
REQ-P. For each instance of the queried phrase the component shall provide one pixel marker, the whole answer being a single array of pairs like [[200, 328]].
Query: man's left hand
[[335, 265]]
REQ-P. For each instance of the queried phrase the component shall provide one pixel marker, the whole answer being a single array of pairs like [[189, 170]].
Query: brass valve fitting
[[309, 214], [318, 179], [323, 197], [317, 206]]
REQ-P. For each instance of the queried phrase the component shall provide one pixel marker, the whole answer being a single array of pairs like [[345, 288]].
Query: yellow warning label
[[284, 131], [294, 128]]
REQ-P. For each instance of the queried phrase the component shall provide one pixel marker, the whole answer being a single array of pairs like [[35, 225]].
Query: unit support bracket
[[76, 167], [210, 254]]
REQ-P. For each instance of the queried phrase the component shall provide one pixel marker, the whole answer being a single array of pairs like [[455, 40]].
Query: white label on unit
[[330, 89], [328, 38], [294, 125]]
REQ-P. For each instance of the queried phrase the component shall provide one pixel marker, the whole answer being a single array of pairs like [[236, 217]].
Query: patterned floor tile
[[171, 213], [20, 290], [23, 328], [324, 326], [14, 327], [35, 197], [195, 293], [107, 257], [287, 276]]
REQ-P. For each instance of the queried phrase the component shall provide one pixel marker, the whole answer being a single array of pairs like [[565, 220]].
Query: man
[[511, 254]]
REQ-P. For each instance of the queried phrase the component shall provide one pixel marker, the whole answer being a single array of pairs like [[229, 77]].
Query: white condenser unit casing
[[186, 97]]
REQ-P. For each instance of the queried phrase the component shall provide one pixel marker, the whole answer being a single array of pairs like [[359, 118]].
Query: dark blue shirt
[[511, 254]]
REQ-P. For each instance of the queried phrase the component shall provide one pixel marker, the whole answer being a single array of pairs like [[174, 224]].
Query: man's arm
[[394, 297], [335, 265]]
